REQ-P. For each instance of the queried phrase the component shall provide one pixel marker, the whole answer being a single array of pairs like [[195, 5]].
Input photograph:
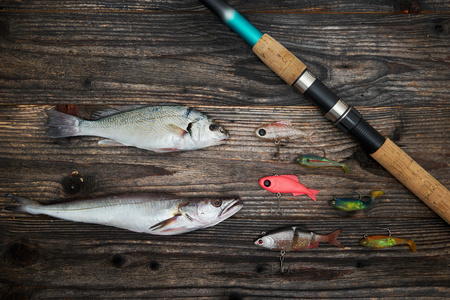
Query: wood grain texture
[[95, 54]]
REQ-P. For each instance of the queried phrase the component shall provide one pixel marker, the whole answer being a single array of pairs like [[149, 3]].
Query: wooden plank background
[[393, 66]]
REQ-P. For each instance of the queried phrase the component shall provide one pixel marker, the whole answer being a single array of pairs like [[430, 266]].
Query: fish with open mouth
[[147, 213], [156, 128]]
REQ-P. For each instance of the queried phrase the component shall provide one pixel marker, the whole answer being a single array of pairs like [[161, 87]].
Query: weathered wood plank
[[394, 67], [27, 155], [319, 6], [221, 261], [85, 58]]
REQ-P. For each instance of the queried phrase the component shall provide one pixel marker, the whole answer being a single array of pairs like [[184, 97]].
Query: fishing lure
[[286, 184], [314, 161], [383, 241], [350, 204], [280, 130], [294, 239]]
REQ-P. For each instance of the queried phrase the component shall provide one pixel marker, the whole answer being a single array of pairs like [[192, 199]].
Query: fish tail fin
[[312, 194], [412, 245], [375, 194], [25, 204], [332, 238], [345, 168], [62, 125]]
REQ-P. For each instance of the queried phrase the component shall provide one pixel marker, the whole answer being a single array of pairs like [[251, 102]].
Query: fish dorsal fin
[[291, 177], [287, 123], [114, 111]]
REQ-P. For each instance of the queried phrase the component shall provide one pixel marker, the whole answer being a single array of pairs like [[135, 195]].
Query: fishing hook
[[390, 234], [388, 231], [279, 211], [283, 269]]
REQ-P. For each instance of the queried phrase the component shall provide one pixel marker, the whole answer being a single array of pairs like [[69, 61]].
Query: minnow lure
[[280, 130], [314, 161], [286, 184], [383, 241], [293, 239], [350, 204]]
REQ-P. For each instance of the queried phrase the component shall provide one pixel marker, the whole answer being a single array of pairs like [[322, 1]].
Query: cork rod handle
[[279, 59], [415, 178]]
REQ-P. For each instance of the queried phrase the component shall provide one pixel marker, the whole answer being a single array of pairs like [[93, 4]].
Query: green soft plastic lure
[[350, 204], [383, 241], [314, 161]]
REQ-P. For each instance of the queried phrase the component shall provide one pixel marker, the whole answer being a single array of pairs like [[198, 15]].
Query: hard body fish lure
[[293, 239], [314, 161], [157, 128], [148, 213], [383, 241], [286, 184], [280, 130], [350, 204]]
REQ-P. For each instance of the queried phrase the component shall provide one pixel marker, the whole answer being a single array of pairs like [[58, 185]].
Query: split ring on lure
[[350, 204], [383, 241]]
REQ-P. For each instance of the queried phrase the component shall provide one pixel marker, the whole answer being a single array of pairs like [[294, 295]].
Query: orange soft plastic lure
[[383, 241], [286, 184]]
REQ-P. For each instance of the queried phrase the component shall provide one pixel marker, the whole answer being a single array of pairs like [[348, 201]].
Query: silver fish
[[293, 239], [147, 213], [156, 128]]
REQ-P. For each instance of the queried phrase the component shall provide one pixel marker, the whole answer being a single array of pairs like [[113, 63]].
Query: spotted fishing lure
[[350, 204], [384, 241]]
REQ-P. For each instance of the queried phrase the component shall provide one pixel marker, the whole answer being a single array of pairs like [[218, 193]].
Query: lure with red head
[[286, 184]]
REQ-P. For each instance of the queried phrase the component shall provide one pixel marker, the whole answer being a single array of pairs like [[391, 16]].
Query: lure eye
[[260, 241], [333, 202], [267, 183], [213, 127], [216, 202], [261, 132]]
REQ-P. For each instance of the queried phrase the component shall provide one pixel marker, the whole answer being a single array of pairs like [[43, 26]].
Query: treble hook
[[282, 268], [278, 211]]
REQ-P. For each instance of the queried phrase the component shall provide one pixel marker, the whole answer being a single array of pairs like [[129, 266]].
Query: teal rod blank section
[[244, 28]]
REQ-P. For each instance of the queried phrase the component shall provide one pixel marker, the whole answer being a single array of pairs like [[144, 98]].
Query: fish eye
[[260, 241], [333, 202], [216, 202], [261, 132], [267, 183], [213, 127]]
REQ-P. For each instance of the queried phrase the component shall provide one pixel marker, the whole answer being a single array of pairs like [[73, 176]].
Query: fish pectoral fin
[[177, 130], [110, 143], [165, 223]]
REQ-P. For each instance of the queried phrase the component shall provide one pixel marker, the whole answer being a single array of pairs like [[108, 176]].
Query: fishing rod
[[344, 116]]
